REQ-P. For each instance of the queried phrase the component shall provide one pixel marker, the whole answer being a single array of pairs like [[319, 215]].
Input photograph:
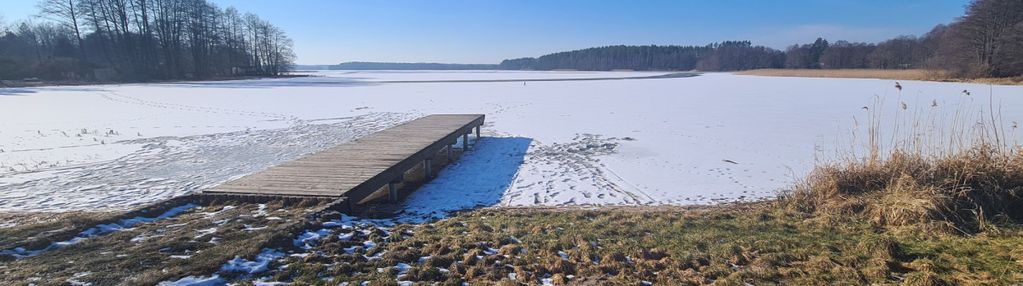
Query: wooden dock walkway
[[353, 171]]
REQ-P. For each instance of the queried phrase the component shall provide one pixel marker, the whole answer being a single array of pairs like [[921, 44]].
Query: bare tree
[[978, 38], [66, 12], [1010, 57]]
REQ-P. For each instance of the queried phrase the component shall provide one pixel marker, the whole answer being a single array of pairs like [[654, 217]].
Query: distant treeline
[[410, 66], [139, 40], [730, 55], [986, 41]]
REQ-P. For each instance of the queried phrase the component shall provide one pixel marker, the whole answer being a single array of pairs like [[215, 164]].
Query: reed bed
[[918, 166]]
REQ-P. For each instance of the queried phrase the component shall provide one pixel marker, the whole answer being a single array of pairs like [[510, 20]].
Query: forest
[[985, 42], [409, 66], [141, 40]]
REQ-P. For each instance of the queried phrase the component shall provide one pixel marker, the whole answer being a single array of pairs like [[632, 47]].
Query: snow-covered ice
[[715, 137]]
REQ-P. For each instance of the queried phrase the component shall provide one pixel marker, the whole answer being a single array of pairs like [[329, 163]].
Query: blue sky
[[465, 31]]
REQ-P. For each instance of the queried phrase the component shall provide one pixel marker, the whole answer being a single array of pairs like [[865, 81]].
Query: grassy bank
[[196, 242], [909, 74], [7, 83], [761, 244]]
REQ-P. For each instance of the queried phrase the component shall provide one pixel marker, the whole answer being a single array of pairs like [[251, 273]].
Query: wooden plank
[[357, 169]]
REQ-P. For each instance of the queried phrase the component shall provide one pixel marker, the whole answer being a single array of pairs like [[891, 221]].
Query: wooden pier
[[360, 170]]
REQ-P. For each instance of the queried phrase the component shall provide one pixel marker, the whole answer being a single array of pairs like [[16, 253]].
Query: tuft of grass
[[963, 176], [966, 192]]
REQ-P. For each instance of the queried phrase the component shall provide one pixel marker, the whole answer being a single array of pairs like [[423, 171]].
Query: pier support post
[[392, 188], [428, 167], [450, 153], [465, 142], [392, 192], [478, 133]]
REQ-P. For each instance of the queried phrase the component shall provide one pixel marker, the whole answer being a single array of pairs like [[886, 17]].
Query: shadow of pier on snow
[[478, 179]]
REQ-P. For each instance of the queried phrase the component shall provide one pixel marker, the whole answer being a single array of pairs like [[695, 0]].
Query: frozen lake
[[698, 140]]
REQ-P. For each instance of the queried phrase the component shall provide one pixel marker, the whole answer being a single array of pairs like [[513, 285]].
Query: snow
[[713, 138], [307, 239], [263, 260], [205, 232], [260, 211], [424, 259], [564, 256], [402, 268], [369, 244], [262, 283], [477, 179], [214, 280]]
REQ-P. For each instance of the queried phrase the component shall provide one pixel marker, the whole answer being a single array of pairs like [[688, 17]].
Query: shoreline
[[886, 74], [5, 83]]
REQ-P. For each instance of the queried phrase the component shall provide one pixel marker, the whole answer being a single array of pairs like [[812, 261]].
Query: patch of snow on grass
[[205, 232], [307, 239], [259, 265], [100, 229], [214, 280]]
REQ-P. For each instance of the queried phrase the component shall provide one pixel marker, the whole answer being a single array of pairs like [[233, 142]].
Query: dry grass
[[909, 74], [966, 192], [36, 230], [1018, 80], [760, 244], [912, 74], [164, 250], [957, 171], [757, 243]]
